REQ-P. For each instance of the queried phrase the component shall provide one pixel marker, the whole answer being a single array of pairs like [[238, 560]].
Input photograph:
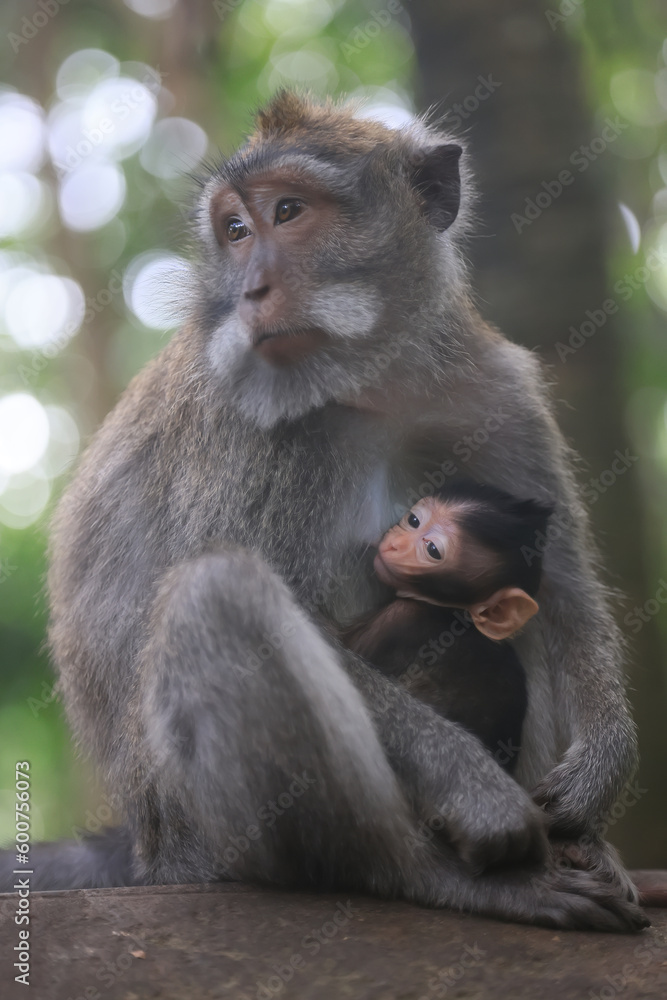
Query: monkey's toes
[[597, 857], [582, 901]]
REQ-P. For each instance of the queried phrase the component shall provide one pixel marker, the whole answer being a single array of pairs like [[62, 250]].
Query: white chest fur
[[374, 510]]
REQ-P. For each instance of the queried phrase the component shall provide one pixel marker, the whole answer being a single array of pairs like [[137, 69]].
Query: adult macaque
[[329, 274], [460, 548]]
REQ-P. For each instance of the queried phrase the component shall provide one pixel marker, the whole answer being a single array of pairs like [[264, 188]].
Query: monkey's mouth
[[383, 572], [284, 347]]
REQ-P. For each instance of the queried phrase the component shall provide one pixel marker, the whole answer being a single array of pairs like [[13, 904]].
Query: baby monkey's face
[[436, 539], [427, 540]]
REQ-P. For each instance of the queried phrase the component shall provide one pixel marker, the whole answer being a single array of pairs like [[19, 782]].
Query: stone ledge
[[203, 942]]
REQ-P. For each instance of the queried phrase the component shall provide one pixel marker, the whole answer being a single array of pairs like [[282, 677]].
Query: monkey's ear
[[504, 613], [437, 179]]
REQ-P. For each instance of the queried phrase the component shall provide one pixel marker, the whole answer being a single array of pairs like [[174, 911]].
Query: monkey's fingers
[[573, 796]]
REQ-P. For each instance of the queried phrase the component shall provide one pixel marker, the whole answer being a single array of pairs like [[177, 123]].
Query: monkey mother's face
[[319, 241], [303, 317], [273, 233]]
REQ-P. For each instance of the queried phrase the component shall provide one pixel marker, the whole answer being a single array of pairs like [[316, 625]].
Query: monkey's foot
[[579, 900], [568, 900], [596, 856]]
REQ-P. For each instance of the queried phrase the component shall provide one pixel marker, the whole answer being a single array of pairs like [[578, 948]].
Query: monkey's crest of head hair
[[296, 115], [342, 129]]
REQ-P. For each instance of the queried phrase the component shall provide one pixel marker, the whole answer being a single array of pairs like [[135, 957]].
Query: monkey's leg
[[233, 655], [488, 817], [260, 744], [275, 767]]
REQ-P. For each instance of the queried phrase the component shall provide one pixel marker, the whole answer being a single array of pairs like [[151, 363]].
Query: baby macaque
[[459, 549]]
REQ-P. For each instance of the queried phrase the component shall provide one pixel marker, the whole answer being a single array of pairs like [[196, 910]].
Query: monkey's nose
[[262, 304], [390, 546], [258, 293]]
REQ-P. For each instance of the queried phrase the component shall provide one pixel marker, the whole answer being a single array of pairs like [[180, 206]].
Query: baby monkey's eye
[[433, 550], [288, 209], [413, 520], [236, 230]]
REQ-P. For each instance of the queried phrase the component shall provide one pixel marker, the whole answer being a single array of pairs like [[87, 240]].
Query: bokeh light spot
[[632, 226], [310, 18], [385, 105], [24, 202], [91, 196], [44, 309], [118, 116], [155, 9], [24, 432], [64, 440], [175, 145], [83, 70], [24, 499], [307, 67], [155, 287], [22, 131], [633, 92]]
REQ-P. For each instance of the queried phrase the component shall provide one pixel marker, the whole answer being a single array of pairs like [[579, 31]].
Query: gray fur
[[224, 500]]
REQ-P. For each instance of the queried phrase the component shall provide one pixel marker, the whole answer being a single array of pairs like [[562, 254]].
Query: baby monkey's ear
[[504, 613]]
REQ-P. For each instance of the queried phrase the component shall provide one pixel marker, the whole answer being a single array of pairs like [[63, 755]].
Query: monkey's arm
[[449, 776], [590, 737]]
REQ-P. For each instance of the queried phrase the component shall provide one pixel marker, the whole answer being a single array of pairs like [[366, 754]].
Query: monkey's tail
[[98, 861]]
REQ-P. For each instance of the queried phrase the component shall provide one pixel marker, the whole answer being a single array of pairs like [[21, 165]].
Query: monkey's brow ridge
[[239, 168]]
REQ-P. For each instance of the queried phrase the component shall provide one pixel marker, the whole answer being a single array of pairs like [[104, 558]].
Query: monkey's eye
[[288, 209], [433, 550], [413, 520], [236, 230]]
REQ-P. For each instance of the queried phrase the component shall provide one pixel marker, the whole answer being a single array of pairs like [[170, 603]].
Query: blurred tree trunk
[[537, 283]]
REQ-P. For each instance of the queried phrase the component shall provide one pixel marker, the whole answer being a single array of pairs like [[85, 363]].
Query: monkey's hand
[[495, 822], [580, 792], [578, 819]]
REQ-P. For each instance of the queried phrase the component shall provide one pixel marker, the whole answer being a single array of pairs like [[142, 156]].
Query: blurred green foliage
[[624, 52]]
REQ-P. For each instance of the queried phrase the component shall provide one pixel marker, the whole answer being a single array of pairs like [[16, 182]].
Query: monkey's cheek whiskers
[[347, 313], [227, 345]]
